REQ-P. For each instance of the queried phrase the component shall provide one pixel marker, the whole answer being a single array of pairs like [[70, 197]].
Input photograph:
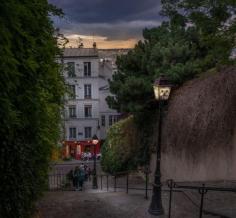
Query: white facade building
[[86, 111]]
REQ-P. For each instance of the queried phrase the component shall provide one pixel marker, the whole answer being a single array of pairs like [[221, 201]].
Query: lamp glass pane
[[156, 92], [95, 141], [164, 93]]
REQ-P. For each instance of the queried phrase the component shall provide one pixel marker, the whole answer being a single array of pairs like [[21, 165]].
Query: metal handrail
[[202, 190], [170, 186]]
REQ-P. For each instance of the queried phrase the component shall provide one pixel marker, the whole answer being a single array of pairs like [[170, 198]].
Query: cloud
[[102, 42], [112, 31], [101, 11], [112, 19]]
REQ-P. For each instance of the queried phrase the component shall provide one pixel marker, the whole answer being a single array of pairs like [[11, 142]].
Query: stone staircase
[[194, 198]]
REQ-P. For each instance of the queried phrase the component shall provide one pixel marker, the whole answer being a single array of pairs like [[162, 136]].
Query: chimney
[[94, 45]]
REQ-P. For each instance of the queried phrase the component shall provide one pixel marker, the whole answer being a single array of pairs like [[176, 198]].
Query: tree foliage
[[199, 36], [30, 99], [121, 150], [213, 20]]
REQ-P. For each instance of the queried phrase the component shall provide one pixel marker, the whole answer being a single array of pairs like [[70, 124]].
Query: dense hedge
[[124, 149], [30, 101]]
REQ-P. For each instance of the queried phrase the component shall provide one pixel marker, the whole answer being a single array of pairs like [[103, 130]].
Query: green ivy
[[30, 98], [125, 147]]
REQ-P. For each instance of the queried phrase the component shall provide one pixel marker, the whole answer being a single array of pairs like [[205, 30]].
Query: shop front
[[80, 149]]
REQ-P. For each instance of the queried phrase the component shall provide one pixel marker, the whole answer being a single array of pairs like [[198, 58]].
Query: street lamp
[[162, 89], [95, 142]]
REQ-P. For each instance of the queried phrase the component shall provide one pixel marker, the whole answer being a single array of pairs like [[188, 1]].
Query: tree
[[30, 99], [131, 85], [199, 36], [214, 21], [170, 50]]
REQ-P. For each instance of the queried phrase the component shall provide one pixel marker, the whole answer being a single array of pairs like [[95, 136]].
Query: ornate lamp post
[[95, 142], [162, 89]]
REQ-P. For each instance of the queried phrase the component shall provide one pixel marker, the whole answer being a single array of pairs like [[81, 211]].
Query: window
[[71, 91], [71, 69], [87, 91], [88, 110], [115, 118], [88, 132], [103, 120], [87, 69], [110, 120], [72, 111], [72, 133]]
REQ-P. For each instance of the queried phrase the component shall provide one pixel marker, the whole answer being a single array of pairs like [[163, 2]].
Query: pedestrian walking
[[81, 178], [89, 173], [71, 178], [86, 172], [76, 178], [82, 166]]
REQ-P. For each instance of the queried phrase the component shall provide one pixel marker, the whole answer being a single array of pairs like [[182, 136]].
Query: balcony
[[87, 97]]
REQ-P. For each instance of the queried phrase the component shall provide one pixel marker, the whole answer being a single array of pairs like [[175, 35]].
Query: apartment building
[[86, 112]]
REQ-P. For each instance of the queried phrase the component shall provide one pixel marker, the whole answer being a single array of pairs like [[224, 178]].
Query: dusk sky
[[111, 23]]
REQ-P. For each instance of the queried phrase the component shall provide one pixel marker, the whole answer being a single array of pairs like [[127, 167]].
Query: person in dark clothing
[[76, 178], [86, 172], [70, 178], [79, 176], [81, 179], [89, 173]]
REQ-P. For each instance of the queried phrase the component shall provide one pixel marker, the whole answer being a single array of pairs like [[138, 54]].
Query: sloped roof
[[106, 87], [80, 52]]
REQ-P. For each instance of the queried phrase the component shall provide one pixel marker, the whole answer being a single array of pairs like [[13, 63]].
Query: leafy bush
[[121, 150], [30, 99]]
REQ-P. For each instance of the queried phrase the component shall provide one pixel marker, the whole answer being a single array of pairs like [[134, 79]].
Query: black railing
[[129, 181], [202, 191], [115, 182], [123, 181], [60, 181]]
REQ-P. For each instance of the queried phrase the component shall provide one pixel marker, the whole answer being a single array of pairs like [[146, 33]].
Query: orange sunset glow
[[102, 42]]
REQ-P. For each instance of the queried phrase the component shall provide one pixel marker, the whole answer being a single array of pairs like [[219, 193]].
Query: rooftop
[[80, 52]]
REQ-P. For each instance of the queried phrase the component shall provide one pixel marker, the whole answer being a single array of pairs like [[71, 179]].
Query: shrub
[[119, 151], [30, 99]]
